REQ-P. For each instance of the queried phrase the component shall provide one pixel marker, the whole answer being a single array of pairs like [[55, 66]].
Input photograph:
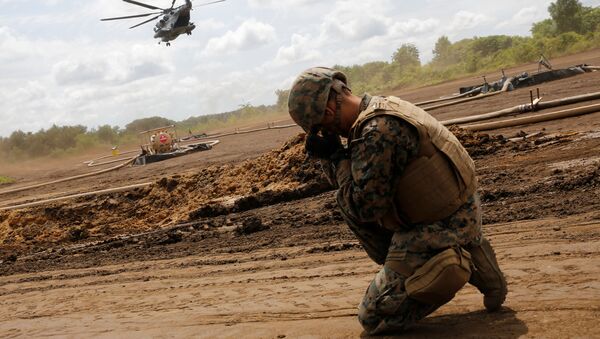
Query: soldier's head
[[316, 97]]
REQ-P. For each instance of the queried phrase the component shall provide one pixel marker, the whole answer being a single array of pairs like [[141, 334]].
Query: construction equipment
[[163, 143], [159, 140]]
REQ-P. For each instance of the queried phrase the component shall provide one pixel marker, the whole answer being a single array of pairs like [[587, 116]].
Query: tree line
[[571, 28], [65, 140]]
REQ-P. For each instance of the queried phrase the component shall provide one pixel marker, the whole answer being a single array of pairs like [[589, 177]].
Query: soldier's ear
[[329, 112], [330, 108]]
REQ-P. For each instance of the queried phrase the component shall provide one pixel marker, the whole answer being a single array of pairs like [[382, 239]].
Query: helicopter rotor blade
[[147, 21], [173, 4], [128, 17], [206, 3], [143, 4]]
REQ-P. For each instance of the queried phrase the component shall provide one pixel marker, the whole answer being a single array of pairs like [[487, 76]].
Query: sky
[[59, 64]]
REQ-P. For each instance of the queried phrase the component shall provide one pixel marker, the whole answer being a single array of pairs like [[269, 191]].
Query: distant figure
[[544, 62]]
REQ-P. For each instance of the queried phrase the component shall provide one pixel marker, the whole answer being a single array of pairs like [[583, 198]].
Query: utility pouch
[[441, 277]]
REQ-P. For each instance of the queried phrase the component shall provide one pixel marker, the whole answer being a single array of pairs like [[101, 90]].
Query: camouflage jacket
[[366, 182], [378, 158]]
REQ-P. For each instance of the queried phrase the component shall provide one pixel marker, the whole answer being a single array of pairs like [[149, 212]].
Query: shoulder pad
[[378, 103]]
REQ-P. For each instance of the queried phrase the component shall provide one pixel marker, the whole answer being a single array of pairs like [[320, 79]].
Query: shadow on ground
[[479, 324]]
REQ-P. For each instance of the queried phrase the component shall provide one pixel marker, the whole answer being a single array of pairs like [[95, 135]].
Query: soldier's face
[[330, 122]]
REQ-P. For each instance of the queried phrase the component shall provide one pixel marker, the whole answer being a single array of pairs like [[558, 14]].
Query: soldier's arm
[[378, 157]]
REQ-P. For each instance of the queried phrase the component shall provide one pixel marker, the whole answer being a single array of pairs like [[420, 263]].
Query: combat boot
[[486, 275]]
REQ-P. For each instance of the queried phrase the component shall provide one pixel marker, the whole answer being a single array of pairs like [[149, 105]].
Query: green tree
[[567, 14], [491, 44], [282, 98], [591, 19], [543, 29], [145, 124], [442, 49], [107, 134], [407, 55]]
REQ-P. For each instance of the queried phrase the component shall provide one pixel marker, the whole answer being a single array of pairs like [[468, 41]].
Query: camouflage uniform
[[366, 191]]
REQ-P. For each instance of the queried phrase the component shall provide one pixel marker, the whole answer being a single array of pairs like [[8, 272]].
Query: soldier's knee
[[383, 299], [368, 307]]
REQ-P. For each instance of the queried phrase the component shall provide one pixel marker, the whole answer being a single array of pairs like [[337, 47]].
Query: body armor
[[438, 180]]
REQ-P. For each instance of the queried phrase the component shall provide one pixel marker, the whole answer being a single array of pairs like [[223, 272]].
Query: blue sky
[[61, 65]]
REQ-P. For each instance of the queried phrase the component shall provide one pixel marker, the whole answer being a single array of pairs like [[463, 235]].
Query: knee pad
[[438, 280]]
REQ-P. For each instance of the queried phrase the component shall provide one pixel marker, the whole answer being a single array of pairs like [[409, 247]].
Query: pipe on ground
[[246, 132], [524, 108], [591, 68], [109, 156], [19, 189], [458, 96], [567, 113], [92, 163], [105, 191], [505, 88]]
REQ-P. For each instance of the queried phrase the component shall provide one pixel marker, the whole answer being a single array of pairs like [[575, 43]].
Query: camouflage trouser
[[385, 305]]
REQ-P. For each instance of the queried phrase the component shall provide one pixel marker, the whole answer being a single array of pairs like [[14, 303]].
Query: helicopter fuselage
[[174, 23]]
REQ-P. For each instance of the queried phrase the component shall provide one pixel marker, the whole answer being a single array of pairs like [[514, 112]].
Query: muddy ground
[[245, 239]]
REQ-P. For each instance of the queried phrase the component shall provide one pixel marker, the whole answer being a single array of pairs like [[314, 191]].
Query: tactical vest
[[436, 182]]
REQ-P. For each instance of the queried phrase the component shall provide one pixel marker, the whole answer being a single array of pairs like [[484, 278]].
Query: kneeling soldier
[[407, 189]]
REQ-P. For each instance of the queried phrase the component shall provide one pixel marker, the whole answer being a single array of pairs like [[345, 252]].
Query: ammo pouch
[[441, 277]]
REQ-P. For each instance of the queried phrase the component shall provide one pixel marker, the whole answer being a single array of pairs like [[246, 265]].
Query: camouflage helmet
[[309, 94]]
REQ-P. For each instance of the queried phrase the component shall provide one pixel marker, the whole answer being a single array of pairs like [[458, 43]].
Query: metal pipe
[[567, 113], [109, 156], [505, 88], [447, 98], [19, 189], [246, 132], [524, 108], [91, 163], [79, 195]]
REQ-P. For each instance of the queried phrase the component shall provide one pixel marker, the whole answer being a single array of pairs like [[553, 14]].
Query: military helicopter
[[174, 22]]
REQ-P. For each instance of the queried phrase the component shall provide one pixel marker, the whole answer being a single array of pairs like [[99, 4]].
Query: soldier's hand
[[327, 146]]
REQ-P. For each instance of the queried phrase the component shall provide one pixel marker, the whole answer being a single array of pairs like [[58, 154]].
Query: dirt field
[[245, 240]]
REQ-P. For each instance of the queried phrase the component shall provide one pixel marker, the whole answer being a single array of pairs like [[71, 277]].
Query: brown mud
[[245, 240]]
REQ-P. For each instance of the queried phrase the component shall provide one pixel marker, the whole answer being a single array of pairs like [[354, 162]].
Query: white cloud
[[464, 20], [251, 34], [60, 64], [525, 16], [414, 26], [352, 22], [282, 4], [98, 71], [70, 72], [14, 47], [302, 48], [210, 24]]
